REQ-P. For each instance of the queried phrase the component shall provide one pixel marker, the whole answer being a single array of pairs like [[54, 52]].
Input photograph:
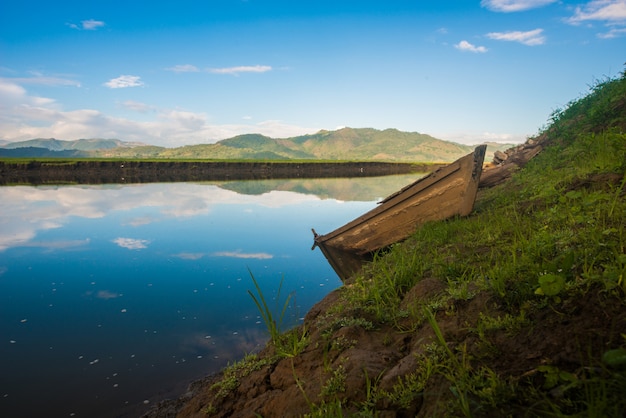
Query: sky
[[188, 72]]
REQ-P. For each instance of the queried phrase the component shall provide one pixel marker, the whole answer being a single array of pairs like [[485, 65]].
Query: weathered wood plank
[[447, 192]]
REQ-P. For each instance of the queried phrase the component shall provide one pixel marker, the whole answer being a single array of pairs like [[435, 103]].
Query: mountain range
[[362, 144]]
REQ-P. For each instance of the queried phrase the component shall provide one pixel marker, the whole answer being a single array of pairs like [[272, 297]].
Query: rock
[[515, 159], [499, 157]]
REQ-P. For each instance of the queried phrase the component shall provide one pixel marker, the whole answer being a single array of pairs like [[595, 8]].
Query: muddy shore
[[102, 172]]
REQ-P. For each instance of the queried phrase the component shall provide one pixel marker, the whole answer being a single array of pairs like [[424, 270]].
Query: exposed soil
[[568, 337]]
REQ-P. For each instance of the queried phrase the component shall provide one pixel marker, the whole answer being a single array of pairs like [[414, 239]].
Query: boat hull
[[447, 192]]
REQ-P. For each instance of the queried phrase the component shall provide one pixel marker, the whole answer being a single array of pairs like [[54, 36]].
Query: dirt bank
[[353, 355], [101, 172]]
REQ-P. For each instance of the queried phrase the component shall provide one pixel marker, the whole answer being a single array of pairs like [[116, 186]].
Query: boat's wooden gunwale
[[387, 204], [451, 190]]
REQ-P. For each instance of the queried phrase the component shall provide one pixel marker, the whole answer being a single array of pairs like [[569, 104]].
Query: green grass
[[554, 232], [537, 248], [286, 344], [541, 225], [273, 321], [235, 372]]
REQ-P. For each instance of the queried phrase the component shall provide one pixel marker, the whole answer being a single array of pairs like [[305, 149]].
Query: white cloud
[[190, 68], [474, 138], [466, 46], [35, 121], [92, 24], [137, 106], [185, 68], [89, 24], [507, 6], [185, 120], [41, 79], [23, 116], [12, 93], [609, 11], [241, 69], [124, 81], [530, 38], [132, 243], [613, 33]]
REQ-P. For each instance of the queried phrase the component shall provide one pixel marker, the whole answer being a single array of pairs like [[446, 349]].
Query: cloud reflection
[[26, 211], [132, 243], [141, 220], [58, 245], [225, 346], [106, 295], [24, 239], [239, 254], [189, 256]]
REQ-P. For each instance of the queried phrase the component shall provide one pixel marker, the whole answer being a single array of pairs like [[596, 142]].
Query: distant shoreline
[[48, 171]]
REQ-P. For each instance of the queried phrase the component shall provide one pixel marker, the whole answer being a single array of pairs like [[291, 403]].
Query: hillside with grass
[[389, 144], [345, 144], [516, 310], [53, 144]]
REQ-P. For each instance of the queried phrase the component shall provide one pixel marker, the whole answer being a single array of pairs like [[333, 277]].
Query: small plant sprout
[[550, 285], [272, 323]]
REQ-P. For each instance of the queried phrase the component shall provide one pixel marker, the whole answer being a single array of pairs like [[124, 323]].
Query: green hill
[[363, 144], [389, 144], [38, 152], [518, 310], [53, 144]]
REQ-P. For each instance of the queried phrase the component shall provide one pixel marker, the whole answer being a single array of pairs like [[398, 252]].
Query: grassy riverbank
[[517, 310]]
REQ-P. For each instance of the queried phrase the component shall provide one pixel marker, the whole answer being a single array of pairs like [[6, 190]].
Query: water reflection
[[346, 189], [113, 296]]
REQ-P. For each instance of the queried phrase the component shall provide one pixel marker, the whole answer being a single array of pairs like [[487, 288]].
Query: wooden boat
[[448, 191], [345, 263]]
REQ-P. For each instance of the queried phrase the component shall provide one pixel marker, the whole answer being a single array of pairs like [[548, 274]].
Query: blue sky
[[187, 72]]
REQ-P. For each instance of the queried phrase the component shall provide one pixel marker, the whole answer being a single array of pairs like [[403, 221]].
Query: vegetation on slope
[[346, 144], [78, 145], [389, 144], [516, 310]]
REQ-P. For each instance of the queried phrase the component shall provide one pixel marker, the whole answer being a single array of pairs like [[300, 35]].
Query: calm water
[[113, 297]]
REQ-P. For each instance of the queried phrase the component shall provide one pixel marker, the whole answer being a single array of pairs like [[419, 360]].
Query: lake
[[113, 297]]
